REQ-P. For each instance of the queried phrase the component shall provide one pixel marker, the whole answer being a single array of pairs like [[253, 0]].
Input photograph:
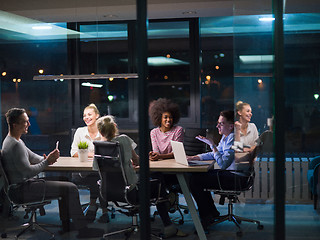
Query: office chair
[[115, 186], [192, 145], [244, 161], [313, 179], [30, 207], [265, 142]]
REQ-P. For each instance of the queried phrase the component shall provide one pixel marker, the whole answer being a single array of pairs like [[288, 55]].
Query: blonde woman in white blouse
[[246, 133], [89, 133]]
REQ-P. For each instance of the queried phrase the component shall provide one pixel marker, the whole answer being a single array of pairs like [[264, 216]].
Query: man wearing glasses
[[223, 154]]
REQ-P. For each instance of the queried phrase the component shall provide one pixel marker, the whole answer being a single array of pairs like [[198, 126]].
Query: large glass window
[[104, 49], [302, 82], [110, 96], [216, 69], [170, 64], [23, 56]]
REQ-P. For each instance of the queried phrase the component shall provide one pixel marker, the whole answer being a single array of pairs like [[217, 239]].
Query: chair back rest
[[265, 143], [110, 166], [245, 162], [314, 162], [193, 146], [4, 176], [72, 132]]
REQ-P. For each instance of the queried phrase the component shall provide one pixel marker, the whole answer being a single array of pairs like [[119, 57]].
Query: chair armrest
[[13, 187], [250, 177], [155, 191]]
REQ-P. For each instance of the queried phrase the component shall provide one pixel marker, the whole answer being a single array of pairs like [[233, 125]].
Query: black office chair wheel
[[181, 222], [4, 235], [186, 211], [127, 234], [260, 227], [239, 234]]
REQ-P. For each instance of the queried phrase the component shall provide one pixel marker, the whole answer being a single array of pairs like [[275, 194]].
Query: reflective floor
[[302, 222]]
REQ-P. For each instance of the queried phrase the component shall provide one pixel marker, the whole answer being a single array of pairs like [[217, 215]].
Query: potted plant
[[83, 151]]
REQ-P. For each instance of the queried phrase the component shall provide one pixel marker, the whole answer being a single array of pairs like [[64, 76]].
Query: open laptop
[[181, 157]]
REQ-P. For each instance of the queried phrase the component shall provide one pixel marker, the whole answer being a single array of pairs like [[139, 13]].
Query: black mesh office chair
[[115, 187], [244, 161], [192, 145], [30, 207]]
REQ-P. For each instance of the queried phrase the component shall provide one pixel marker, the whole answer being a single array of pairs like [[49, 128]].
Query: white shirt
[[82, 134], [252, 136]]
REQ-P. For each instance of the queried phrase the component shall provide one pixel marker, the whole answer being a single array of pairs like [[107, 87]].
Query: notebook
[[181, 157]]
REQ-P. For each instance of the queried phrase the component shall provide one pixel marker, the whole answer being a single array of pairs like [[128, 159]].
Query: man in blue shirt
[[223, 154]]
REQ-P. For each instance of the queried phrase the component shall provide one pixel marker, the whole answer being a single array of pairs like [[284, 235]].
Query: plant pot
[[83, 155]]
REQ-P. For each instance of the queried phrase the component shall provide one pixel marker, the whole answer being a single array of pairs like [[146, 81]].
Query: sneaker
[[91, 212], [172, 231], [104, 218]]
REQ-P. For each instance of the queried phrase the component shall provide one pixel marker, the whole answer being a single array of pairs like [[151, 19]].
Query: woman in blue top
[[223, 154]]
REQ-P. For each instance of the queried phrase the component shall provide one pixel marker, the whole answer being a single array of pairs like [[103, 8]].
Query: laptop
[[181, 157]]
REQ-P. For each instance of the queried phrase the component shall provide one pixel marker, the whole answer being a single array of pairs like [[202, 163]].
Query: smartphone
[[57, 144]]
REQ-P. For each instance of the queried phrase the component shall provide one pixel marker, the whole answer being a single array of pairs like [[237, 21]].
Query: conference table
[[73, 164]]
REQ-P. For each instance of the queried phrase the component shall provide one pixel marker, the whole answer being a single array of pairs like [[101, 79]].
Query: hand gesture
[[237, 126], [208, 141], [52, 157]]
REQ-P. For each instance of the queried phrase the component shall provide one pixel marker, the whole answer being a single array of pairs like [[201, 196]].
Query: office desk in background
[[165, 166]]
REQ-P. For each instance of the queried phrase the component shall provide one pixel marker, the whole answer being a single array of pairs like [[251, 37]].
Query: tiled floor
[[302, 222]]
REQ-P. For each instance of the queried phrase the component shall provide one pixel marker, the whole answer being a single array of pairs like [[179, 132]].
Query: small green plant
[[82, 145]]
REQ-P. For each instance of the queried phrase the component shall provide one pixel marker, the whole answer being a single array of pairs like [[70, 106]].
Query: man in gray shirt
[[22, 167]]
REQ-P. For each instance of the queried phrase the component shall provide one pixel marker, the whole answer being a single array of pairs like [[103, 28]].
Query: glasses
[[220, 124]]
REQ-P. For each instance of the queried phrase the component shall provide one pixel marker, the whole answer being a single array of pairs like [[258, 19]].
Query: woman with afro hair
[[164, 114]]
